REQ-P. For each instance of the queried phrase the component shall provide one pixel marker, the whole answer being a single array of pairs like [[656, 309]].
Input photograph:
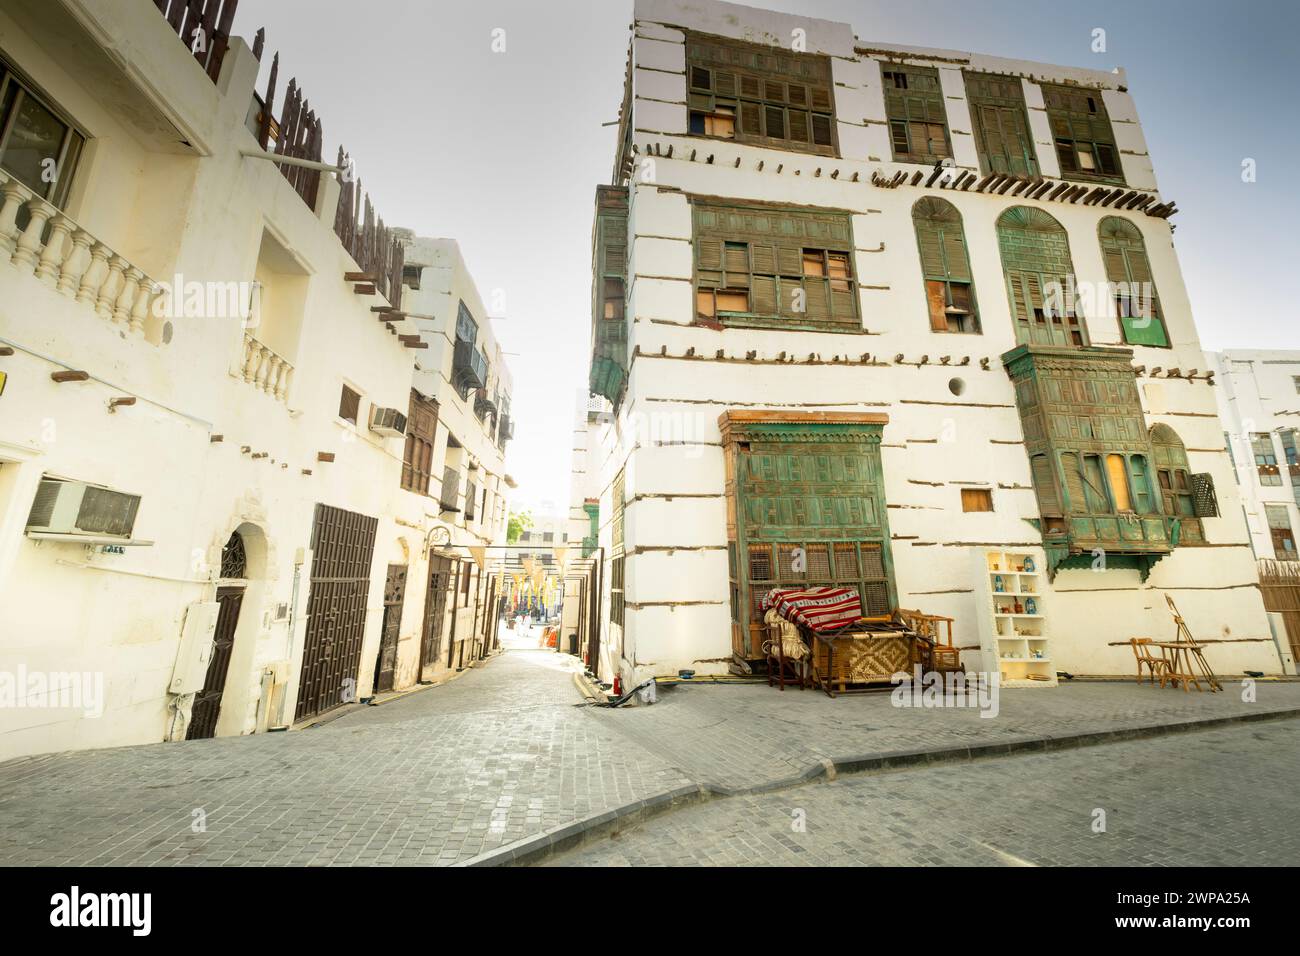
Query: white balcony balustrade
[[69, 259], [265, 370]]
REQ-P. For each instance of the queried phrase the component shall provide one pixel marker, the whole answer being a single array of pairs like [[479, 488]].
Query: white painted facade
[[1259, 396], [666, 435], [222, 436]]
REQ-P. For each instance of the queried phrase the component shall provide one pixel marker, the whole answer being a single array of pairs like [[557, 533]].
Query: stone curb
[[567, 836]]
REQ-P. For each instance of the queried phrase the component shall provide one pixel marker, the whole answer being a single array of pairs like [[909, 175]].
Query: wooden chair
[[935, 648], [1157, 666]]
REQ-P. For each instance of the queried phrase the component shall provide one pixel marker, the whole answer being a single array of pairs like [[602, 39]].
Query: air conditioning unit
[[76, 508], [387, 421]]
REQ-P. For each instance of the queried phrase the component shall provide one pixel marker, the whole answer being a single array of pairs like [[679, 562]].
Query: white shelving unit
[[1013, 628]]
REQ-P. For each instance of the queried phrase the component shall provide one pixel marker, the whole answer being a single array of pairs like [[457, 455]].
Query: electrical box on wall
[[197, 637]]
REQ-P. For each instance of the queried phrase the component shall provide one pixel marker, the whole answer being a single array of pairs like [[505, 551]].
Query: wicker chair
[[788, 657]]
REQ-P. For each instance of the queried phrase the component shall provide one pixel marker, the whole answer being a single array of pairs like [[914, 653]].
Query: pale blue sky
[[502, 151]]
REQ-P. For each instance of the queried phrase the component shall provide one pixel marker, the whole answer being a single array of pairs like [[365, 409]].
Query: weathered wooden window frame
[[617, 591], [1124, 255], [737, 272], [1027, 285], [421, 432], [1278, 518], [977, 500], [980, 95], [756, 85], [349, 404], [941, 216], [1261, 446], [807, 434], [899, 104], [1082, 128]]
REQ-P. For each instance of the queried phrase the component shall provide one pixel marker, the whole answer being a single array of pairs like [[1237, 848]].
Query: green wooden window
[[997, 108], [1137, 307], [608, 374], [1040, 278], [771, 267], [810, 511], [1082, 134], [918, 124], [759, 94], [1096, 467], [1177, 484], [617, 601], [945, 265], [616, 533]]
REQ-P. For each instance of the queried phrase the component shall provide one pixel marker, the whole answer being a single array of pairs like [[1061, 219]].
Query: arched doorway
[[207, 703]]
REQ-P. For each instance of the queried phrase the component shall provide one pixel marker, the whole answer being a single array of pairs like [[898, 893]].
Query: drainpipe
[[339, 171]]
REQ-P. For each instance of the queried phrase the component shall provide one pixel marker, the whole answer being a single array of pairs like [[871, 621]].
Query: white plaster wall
[[206, 451]]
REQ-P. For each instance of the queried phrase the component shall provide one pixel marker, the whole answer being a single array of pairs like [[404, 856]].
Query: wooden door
[[435, 609], [343, 543], [394, 595], [207, 703]]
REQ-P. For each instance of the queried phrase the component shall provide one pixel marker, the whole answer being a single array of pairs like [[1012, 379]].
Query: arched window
[[1183, 495], [1173, 472], [1040, 278], [945, 265], [234, 559], [1134, 292]]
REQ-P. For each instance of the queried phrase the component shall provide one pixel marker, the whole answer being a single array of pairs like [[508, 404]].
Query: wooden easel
[[1186, 661]]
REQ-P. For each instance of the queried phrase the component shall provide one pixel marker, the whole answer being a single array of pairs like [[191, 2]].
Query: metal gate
[[1280, 583], [394, 595], [435, 609], [207, 703], [343, 543]]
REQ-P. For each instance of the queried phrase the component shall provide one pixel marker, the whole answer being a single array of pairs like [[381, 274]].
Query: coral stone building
[[907, 320]]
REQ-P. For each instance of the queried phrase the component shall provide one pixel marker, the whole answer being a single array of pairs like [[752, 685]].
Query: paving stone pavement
[[503, 753], [747, 736], [435, 777], [1206, 798]]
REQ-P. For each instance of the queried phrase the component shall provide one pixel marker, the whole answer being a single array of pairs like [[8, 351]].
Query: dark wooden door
[[207, 703], [343, 543], [394, 594], [435, 609]]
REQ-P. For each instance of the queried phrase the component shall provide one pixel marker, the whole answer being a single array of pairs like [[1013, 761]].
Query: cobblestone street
[[1210, 798], [431, 778], [508, 754]]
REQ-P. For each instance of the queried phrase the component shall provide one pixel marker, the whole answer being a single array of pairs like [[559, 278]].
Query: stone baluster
[[251, 356], [28, 247], [14, 196], [47, 268], [273, 374], [126, 298], [144, 299], [74, 266], [282, 390], [95, 275], [108, 292]]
